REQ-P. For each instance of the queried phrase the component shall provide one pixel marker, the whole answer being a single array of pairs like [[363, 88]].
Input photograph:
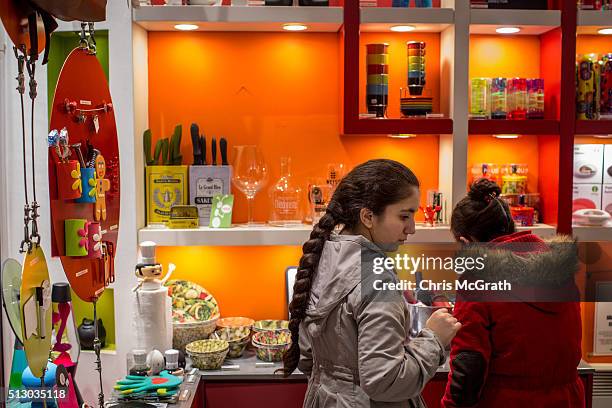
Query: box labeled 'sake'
[[205, 182], [166, 187]]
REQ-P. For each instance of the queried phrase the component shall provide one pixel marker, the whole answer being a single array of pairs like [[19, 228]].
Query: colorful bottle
[[498, 98], [587, 92], [536, 98], [518, 100], [480, 107], [605, 85], [285, 196]]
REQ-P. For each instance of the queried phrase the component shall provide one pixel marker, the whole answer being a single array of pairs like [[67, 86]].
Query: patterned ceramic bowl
[[237, 340], [240, 325], [207, 354], [270, 325], [271, 346], [185, 333]]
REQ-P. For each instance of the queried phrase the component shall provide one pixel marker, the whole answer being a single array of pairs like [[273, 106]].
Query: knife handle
[[223, 148], [203, 147], [213, 147]]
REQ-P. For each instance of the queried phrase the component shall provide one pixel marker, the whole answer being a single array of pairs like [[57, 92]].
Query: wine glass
[[250, 174]]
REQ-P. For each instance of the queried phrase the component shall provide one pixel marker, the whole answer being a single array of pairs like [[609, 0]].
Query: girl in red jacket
[[522, 352]]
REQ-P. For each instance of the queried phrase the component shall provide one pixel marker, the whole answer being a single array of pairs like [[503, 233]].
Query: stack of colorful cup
[[377, 85], [416, 67]]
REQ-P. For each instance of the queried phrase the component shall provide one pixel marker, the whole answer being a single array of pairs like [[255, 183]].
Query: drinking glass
[[250, 174]]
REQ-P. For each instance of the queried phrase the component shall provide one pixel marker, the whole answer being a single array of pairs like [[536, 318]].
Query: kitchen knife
[[213, 147], [223, 148], [195, 141], [203, 148]]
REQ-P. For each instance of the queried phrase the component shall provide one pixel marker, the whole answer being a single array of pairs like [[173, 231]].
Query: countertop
[[248, 369]]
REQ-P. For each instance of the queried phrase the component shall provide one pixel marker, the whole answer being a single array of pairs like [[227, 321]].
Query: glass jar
[[498, 98], [480, 107], [514, 178], [488, 171], [536, 98], [285, 197], [518, 100]]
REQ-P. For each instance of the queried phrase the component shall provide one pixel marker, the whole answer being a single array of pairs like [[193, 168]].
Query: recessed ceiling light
[[402, 28], [603, 136], [605, 31], [507, 30], [403, 136], [295, 27], [186, 27], [506, 136]]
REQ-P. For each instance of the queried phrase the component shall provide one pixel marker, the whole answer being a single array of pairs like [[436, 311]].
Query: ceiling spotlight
[[186, 27], [402, 28], [605, 31], [403, 136], [603, 136], [295, 27], [507, 30], [506, 136]]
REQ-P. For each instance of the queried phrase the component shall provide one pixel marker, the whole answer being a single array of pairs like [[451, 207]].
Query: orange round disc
[[15, 20]]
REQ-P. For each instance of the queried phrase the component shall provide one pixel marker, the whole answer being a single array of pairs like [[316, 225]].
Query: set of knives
[[199, 148]]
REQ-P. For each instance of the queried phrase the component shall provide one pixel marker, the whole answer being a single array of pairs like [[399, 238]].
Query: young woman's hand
[[444, 325]]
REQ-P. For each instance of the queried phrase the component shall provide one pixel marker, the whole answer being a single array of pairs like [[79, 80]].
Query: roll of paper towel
[[152, 317]]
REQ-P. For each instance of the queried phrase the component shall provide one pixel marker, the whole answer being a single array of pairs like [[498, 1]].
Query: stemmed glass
[[250, 174]]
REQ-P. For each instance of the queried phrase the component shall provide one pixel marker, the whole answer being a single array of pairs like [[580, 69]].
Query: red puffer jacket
[[523, 353]]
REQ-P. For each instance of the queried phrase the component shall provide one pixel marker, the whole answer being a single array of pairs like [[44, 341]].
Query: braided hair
[[482, 215], [374, 185]]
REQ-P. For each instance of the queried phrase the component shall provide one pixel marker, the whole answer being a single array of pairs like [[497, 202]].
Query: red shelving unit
[[594, 127], [531, 127], [351, 123]]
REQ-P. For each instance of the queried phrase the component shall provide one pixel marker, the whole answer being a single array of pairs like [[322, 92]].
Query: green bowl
[[207, 354]]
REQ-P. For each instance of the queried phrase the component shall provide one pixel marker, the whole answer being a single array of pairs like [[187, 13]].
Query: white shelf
[[269, 235], [238, 18], [380, 19], [531, 22], [584, 233], [541, 230], [589, 21]]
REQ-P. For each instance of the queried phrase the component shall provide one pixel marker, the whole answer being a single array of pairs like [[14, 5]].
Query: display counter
[[251, 384]]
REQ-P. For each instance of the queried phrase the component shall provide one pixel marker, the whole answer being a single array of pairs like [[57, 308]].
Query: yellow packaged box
[[184, 216], [167, 186]]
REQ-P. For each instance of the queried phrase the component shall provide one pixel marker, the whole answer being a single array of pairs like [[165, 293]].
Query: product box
[[586, 196], [606, 198], [588, 162], [205, 182], [607, 168], [166, 187]]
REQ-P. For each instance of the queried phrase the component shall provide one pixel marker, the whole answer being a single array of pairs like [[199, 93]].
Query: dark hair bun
[[483, 189]]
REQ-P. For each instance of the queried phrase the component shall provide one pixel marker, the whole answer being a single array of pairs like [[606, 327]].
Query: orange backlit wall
[[280, 91], [504, 56], [586, 44]]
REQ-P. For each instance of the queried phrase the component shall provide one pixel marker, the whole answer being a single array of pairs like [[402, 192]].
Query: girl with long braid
[[347, 337]]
